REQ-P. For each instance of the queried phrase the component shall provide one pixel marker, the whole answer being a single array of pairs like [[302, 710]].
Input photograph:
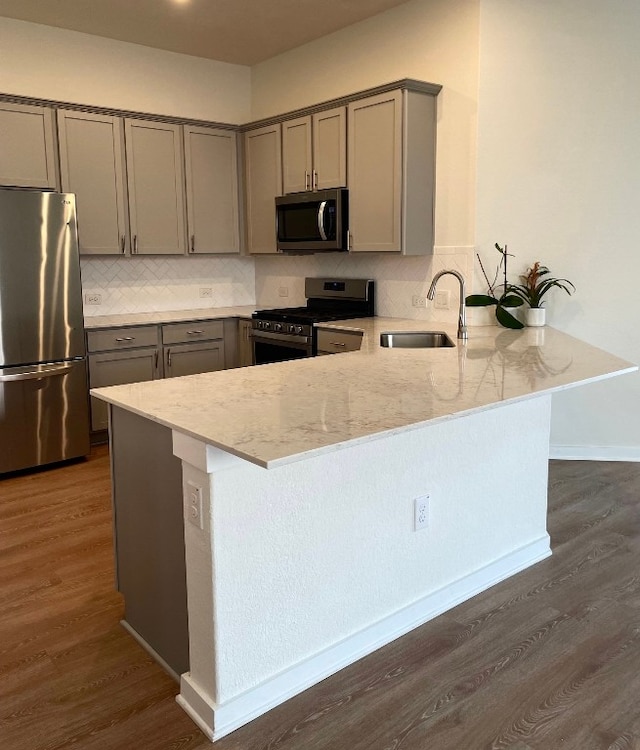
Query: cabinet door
[[116, 368], [27, 157], [375, 172], [330, 149], [263, 154], [191, 359], [156, 187], [296, 155], [211, 164], [245, 344], [92, 167]]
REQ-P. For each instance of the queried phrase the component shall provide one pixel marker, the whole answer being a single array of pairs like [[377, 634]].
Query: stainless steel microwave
[[313, 222]]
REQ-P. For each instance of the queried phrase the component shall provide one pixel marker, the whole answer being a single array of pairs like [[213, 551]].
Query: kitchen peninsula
[[300, 483]]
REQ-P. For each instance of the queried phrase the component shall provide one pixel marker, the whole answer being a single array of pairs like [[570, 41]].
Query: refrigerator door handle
[[44, 371]]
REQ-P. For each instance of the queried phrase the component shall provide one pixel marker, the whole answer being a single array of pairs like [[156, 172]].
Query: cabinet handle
[[314, 181], [168, 357], [193, 243], [155, 361], [337, 343], [306, 180], [135, 244], [194, 333], [122, 244], [125, 338]]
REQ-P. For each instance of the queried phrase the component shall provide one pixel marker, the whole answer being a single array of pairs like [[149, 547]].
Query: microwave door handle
[[321, 209]]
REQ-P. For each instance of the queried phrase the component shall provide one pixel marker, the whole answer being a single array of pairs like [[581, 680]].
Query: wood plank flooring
[[547, 660]]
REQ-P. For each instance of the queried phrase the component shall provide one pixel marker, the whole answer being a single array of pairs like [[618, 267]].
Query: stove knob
[[298, 329], [277, 327], [266, 325], [292, 328], [258, 324]]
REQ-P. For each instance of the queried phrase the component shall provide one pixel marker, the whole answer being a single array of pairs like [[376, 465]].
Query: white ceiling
[[244, 32]]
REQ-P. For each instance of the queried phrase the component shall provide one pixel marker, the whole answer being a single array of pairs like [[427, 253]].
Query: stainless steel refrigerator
[[43, 376]]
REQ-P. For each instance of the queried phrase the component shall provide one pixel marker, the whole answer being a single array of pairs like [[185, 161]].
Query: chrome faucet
[[462, 314]]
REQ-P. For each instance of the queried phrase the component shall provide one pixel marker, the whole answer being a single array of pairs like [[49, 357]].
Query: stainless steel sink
[[416, 339]]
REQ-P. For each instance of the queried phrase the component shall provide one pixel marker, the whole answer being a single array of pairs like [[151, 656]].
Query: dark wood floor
[[549, 659]]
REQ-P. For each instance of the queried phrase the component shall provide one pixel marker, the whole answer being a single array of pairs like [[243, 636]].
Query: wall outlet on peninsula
[[421, 513], [418, 301], [194, 504]]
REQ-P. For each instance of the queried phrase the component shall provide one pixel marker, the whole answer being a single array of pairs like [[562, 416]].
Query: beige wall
[[432, 40], [558, 180], [49, 63]]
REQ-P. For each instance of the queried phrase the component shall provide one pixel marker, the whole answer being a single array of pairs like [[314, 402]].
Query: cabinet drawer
[[111, 339], [195, 330], [333, 341]]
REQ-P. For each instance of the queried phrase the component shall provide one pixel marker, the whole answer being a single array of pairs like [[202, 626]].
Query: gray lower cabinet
[[332, 341], [118, 368], [193, 347], [149, 536], [245, 344], [191, 359], [135, 354]]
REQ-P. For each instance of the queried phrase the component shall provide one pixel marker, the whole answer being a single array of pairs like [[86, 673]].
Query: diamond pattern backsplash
[[398, 279], [127, 285], [131, 285]]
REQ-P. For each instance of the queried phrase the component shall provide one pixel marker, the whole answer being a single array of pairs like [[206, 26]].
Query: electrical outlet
[[421, 513], [283, 291], [443, 299], [206, 291], [194, 504], [418, 301], [93, 298]]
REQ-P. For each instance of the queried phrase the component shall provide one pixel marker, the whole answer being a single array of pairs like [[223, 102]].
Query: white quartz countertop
[[283, 412], [93, 322]]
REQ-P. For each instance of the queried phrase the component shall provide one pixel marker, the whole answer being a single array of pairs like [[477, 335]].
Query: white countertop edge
[[341, 445], [121, 320]]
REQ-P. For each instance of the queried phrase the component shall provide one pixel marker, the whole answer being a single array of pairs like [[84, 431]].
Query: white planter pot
[[535, 316]]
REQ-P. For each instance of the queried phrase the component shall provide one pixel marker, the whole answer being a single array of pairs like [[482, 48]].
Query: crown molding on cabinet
[[408, 84]]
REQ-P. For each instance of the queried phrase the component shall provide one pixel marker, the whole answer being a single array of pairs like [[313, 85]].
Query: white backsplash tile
[[131, 285], [135, 284], [398, 279]]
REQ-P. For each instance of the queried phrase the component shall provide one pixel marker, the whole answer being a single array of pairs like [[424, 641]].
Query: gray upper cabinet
[[263, 182], [92, 167], [330, 149], [156, 187], [391, 169], [297, 163], [27, 146], [314, 151], [211, 166]]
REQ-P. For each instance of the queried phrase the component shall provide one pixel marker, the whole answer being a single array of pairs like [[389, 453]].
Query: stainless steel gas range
[[289, 333]]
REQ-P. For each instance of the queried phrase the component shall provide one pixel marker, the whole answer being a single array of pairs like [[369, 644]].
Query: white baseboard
[[218, 720], [594, 453]]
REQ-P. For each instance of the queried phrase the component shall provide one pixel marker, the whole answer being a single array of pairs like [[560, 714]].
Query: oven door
[[276, 347]]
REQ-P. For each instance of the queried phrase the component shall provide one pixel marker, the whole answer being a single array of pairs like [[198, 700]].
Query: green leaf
[[511, 300], [480, 300], [506, 319]]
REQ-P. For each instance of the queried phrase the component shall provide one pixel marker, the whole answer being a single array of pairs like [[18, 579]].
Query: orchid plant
[[499, 295]]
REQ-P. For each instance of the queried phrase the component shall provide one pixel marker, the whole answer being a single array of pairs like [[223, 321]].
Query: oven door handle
[[321, 209], [283, 337]]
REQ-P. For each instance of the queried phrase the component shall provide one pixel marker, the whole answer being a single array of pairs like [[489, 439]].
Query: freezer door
[[44, 415], [40, 292]]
